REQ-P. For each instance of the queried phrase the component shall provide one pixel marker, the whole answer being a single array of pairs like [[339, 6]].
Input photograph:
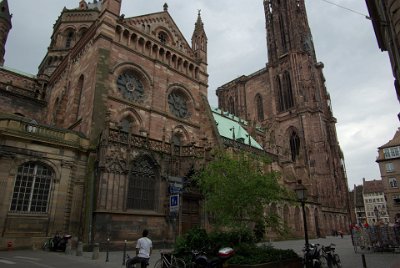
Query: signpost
[[174, 203]]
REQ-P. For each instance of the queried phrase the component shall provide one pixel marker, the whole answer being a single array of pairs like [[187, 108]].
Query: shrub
[[243, 241]]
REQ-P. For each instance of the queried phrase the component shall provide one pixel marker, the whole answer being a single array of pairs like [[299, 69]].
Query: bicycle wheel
[[177, 263], [159, 264]]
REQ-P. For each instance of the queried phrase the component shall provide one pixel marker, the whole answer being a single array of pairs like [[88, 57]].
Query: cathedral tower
[[5, 27], [289, 107]]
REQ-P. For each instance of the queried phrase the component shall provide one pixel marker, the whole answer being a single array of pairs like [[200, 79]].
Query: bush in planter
[[251, 254], [243, 241]]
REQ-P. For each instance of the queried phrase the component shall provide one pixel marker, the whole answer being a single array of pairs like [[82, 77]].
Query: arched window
[[393, 182], [32, 188], [285, 93], [70, 36], [77, 97], [260, 108], [126, 124], [283, 34], [231, 106], [142, 185], [288, 93], [294, 145]]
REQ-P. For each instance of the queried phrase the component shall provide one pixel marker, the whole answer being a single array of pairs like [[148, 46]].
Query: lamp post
[[301, 192]]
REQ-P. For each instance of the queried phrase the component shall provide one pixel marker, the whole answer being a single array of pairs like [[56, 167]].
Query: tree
[[237, 188]]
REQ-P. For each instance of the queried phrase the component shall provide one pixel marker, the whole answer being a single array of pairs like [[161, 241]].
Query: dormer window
[[162, 36]]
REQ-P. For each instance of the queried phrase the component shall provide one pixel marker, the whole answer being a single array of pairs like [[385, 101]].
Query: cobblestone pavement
[[114, 259], [348, 255]]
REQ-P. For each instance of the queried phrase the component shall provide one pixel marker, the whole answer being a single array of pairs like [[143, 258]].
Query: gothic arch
[[297, 222], [294, 141], [180, 132], [258, 100], [143, 184], [133, 116], [231, 105], [119, 68], [285, 92]]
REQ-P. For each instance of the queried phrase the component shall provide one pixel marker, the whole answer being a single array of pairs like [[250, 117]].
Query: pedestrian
[[341, 233], [143, 251]]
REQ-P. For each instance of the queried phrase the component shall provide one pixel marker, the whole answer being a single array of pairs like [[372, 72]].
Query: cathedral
[[111, 129]]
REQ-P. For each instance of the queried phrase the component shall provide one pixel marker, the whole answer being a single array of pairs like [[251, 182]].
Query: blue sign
[[174, 203]]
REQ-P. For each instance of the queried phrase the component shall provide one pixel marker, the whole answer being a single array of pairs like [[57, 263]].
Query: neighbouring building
[[384, 17], [117, 120], [375, 202], [389, 166]]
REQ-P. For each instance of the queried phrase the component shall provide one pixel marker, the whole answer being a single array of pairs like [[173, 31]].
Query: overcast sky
[[358, 75]]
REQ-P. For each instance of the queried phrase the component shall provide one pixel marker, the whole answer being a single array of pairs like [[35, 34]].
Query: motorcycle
[[57, 243], [332, 259], [312, 256], [200, 259]]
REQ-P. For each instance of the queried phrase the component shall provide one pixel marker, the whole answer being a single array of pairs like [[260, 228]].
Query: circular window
[[178, 104], [130, 86]]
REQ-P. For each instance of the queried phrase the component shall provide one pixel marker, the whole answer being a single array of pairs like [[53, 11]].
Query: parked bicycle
[[312, 256], [331, 257], [168, 260]]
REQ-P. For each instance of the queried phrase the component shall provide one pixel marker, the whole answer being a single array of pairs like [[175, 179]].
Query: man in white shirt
[[143, 251]]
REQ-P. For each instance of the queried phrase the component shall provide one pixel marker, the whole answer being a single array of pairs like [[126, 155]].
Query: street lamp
[[301, 192]]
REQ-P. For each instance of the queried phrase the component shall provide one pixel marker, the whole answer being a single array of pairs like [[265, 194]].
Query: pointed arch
[[285, 92], [77, 97], [259, 107], [231, 106], [143, 184], [294, 141]]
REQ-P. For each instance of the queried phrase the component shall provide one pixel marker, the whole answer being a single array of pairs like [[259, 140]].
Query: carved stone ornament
[[130, 86], [178, 104]]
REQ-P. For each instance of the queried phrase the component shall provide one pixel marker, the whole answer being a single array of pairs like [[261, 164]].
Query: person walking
[[144, 248]]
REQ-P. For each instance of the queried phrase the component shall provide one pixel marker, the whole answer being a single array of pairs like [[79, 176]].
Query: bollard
[[108, 245], [68, 247], [95, 254], [363, 261], [123, 257], [79, 249]]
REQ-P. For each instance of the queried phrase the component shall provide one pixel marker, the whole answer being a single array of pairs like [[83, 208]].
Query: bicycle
[[168, 260], [332, 258]]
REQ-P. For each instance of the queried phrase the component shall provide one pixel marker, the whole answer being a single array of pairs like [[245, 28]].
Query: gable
[[155, 25]]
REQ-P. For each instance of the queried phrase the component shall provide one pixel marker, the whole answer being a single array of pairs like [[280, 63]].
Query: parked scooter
[[200, 259], [57, 243]]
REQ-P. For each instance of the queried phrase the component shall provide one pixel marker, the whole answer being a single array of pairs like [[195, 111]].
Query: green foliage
[[251, 254], [237, 188], [246, 251]]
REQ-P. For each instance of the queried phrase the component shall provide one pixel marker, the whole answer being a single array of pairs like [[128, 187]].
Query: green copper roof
[[230, 126]]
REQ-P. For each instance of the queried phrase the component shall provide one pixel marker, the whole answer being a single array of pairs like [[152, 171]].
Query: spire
[[165, 7], [199, 40], [5, 27], [4, 11]]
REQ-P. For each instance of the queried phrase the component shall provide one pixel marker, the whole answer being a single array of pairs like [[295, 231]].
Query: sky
[[358, 74]]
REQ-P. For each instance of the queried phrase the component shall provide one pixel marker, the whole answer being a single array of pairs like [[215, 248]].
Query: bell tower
[[303, 116], [5, 27], [287, 28]]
